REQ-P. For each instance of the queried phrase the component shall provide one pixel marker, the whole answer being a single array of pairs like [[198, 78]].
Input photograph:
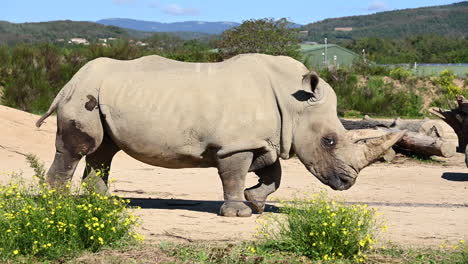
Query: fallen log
[[422, 136], [426, 145], [426, 126]]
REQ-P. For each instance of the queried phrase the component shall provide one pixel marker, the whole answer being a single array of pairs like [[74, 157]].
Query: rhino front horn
[[371, 145]]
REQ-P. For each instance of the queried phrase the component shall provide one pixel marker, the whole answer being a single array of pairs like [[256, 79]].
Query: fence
[[427, 69]]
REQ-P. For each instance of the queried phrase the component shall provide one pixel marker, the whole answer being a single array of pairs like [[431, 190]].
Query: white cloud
[[123, 2], [177, 10], [377, 6]]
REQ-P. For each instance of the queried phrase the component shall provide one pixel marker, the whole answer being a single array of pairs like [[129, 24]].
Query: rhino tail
[[52, 109]]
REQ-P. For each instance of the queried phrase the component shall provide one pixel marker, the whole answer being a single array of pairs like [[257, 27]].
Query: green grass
[[251, 252], [38, 223]]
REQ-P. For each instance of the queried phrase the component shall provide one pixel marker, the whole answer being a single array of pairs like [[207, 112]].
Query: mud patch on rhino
[[91, 104], [75, 140]]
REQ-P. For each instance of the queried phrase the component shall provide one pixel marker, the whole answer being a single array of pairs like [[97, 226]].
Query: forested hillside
[[11, 33], [418, 48], [446, 20]]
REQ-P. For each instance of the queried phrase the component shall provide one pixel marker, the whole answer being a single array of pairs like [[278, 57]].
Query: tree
[[269, 36]]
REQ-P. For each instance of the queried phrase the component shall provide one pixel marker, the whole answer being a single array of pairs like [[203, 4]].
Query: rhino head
[[330, 152]]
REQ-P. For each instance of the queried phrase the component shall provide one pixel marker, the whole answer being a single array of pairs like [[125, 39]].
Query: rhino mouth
[[339, 179]]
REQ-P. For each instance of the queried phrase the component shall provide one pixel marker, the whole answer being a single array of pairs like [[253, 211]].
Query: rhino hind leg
[[61, 171], [98, 165], [79, 133], [232, 170], [269, 182]]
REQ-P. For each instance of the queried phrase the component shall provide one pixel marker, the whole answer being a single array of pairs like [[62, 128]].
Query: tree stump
[[457, 118]]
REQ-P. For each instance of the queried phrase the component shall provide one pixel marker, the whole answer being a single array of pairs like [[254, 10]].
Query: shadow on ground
[[455, 176], [180, 204]]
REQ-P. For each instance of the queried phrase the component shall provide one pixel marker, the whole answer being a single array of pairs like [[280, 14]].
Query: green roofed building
[[336, 55]]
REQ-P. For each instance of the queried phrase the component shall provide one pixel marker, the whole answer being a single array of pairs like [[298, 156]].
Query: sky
[[298, 11]]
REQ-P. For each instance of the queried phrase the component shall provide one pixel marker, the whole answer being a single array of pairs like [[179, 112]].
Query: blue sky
[[299, 11]]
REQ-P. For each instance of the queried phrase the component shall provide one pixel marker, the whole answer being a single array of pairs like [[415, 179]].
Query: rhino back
[[182, 114]]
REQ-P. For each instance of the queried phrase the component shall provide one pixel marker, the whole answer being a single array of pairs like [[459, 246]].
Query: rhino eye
[[329, 141]]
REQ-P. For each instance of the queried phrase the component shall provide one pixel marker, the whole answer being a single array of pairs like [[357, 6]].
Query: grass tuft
[[42, 223], [322, 229]]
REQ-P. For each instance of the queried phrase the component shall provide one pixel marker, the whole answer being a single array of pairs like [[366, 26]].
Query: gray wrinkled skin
[[240, 115]]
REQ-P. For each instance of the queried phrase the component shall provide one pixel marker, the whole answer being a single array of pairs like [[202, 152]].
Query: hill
[[187, 26], [446, 20], [11, 33]]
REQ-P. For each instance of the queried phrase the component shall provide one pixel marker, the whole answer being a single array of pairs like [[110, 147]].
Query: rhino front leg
[[269, 182], [232, 170]]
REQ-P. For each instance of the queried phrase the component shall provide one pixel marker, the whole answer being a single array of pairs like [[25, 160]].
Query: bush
[[445, 81], [372, 96], [400, 74], [50, 224], [322, 229]]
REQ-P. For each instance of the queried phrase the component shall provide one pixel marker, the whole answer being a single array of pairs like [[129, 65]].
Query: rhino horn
[[370, 144]]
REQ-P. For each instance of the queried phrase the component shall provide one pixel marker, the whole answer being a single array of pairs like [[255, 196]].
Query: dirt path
[[425, 204]]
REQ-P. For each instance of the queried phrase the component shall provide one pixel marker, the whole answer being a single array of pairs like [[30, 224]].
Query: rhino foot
[[233, 209], [256, 199]]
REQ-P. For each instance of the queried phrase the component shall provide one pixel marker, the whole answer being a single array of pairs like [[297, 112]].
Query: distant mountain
[[188, 26], [446, 20], [11, 33]]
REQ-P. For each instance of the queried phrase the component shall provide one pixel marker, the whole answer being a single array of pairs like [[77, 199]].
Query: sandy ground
[[424, 204]]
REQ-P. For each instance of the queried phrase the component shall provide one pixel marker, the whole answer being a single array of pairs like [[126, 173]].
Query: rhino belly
[[152, 141]]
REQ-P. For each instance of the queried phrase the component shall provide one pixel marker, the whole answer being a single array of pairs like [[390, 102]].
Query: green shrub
[[373, 96], [400, 74], [322, 229], [44, 223], [445, 81]]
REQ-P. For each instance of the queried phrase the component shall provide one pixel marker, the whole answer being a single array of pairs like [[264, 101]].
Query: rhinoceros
[[240, 115]]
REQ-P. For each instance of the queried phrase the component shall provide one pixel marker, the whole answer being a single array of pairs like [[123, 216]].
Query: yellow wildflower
[[252, 249]]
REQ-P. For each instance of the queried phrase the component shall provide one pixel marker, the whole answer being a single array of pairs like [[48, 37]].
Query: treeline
[[420, 49], [11, 33], [445, 20]]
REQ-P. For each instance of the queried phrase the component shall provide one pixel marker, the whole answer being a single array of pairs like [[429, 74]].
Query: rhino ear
[[310, 83]]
